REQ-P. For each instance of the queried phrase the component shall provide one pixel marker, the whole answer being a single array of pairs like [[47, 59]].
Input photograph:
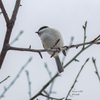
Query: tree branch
[[97, 73], [4, 12], [44, 87], [84, 27], [14, 14], [10, 25], [29, 83], [50, 91], [54, 49], [71, 42], [76, 78], [81, 44], [6, 88], [49, 72], [56, 75], [16, 37], [51, 97], [4, 79]]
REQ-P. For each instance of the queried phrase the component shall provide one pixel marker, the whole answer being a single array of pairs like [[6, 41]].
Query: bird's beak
[[37, 32]]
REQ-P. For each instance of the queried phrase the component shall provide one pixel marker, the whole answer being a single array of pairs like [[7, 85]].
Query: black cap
[[43, 27]]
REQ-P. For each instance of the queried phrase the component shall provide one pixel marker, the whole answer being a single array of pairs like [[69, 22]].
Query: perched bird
[[49, 36]]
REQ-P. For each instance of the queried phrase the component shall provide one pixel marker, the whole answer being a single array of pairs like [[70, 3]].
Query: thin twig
[[16, 37], [51, 97], [4, 79], [77, 55], [55, 43], [76, 78], [94, 62], [50, 91], [44, 87], [40, 54], [29, 83], [10, 25], [46, 92], [49, 72], [53, 47], [84, 27], [71, 41], [6, 88], [52, 54], [81, 44], [97, 38]]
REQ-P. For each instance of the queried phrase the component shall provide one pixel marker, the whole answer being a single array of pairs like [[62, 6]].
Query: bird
[[49, 36]]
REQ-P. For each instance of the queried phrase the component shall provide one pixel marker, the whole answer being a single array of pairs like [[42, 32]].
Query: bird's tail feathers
[[59, 65]]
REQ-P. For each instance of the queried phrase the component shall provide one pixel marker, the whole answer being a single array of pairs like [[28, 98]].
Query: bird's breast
[[49, 41]]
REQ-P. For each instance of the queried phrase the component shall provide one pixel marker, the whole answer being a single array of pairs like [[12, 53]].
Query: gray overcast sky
[[67, 16]]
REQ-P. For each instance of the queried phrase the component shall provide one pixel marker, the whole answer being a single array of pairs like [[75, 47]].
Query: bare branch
[[84, 27], [55, 43], [98, 37], [10, 25], [56, 75], [6, 88], [4, 12], [52, 54], [14, 14], [51, 97], [76, 55], [49, 72], [76, 78], [4, 79], [71, 41], [16, 37], [46, 92], [55, 49], [44, 87], [29, 83], [94, 62], [40, 54], [91, 42], [50, 91]]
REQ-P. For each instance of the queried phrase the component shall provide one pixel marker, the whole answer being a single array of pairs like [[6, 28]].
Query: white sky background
[[67, 16]]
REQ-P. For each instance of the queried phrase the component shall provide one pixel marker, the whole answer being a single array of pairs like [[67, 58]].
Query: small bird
[[49, 36]]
